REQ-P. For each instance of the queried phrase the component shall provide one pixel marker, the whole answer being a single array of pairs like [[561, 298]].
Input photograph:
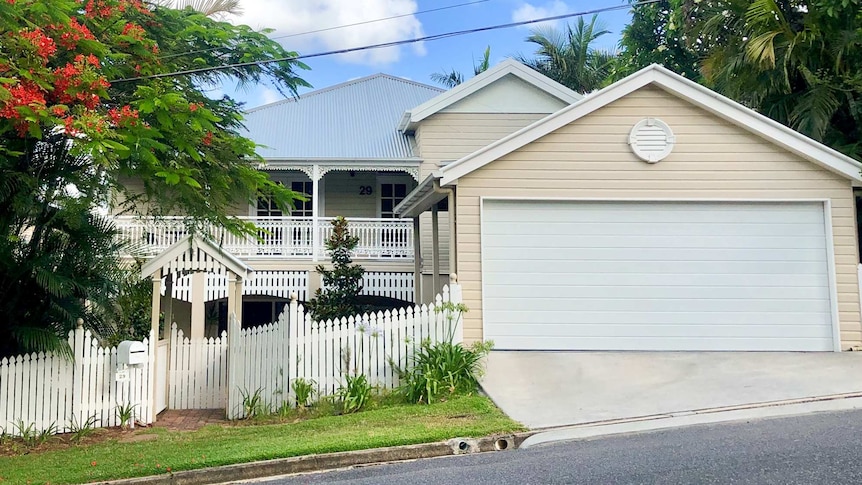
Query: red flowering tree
[[83, 109]]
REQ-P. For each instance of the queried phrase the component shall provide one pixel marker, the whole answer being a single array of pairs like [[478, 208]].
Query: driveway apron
[[546, 389]]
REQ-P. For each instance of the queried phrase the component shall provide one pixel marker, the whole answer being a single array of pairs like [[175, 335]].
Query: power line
[[170, 56], [382, 45]]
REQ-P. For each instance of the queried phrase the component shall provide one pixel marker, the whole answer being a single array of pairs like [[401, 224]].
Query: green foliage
[[74, 130], [30, 436], [304, 390], [354, 394], [80, 431], [252, 403], [569, 57], [343, 282], [126, 413], [56, 254], [443, 369], [653, 38], [27, 432], [797, 62], [454, 77]]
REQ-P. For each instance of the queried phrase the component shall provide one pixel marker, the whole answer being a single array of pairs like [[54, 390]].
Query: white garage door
[[571, 275]]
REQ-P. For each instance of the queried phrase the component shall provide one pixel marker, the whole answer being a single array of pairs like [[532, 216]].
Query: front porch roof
[[422, 198], [326, 165], [194, 253]]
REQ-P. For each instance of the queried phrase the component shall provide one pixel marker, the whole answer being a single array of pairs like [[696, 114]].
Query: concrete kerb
[[765, 410], [332, 461]]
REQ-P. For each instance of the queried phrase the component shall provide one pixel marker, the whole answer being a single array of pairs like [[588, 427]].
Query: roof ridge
[[340, 86]]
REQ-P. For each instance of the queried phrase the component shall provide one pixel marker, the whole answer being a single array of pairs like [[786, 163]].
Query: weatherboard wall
[[713, 159]]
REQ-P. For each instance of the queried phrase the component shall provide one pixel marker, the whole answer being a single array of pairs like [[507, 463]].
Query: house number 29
[[365, 190]]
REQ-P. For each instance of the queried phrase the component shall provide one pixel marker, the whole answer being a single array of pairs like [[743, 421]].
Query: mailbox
[[131, 353]]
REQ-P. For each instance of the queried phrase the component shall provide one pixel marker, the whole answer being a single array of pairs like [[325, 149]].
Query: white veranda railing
[[289, 237]]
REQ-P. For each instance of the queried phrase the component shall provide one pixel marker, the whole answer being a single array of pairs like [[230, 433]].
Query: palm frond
[[40, 339], [448, 79], [210, 8]]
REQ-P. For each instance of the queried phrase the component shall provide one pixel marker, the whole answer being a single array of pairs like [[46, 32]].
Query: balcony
[[279, 237]]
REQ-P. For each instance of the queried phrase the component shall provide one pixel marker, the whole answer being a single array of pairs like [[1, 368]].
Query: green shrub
[[354, 394], [343, 282], [252, 403], [441, 369], [303, 390]]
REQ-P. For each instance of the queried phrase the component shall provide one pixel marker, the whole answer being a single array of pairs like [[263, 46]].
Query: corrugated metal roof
[[353, 120]]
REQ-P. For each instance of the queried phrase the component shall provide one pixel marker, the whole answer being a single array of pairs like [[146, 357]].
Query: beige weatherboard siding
[[713, 159], [450, 136]]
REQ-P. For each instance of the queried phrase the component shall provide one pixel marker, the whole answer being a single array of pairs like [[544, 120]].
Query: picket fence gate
[[197, 371], [56, 392], [268, 359]]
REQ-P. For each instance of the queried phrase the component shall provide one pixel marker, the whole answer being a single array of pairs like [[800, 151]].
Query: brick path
[[190, 419]]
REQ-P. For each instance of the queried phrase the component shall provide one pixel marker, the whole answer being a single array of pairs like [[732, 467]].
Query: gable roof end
[[673, 83], [188, 243], [480, 81]]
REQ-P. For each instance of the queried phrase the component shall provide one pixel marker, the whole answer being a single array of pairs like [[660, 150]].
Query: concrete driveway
[[545, 389]]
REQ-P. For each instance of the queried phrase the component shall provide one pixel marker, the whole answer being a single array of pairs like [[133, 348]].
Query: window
[[390, 196], [303, 209], [266, 207]]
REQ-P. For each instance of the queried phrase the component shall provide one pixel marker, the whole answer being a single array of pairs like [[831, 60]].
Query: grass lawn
[[222, 445]]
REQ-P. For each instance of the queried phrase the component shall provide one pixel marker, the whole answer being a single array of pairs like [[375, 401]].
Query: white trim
[[482, 257], [652, 199], [677, 85], [226, 259], [827, 218], [463, 90], [833, 286]]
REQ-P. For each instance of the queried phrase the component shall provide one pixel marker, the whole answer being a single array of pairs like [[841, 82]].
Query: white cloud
[[268, 95], [299, 16], [527, 11]]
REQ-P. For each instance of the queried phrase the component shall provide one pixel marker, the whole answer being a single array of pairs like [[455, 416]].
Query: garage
[[657, 275]]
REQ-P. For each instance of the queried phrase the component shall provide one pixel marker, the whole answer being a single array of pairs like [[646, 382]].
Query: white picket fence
[[269, 358], [52, 390], [197, 372], [392, 285], [49, 390]]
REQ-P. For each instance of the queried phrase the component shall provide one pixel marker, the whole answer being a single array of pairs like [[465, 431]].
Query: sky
[[413, 61]]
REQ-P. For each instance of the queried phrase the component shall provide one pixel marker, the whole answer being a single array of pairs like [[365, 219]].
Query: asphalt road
[[818, 448]]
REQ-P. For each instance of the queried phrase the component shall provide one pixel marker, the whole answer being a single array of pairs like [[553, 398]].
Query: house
[[654, 214], [356, 150]]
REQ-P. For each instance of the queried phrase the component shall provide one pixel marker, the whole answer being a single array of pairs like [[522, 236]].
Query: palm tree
[[799, 66], [454, 77], [569, 58]]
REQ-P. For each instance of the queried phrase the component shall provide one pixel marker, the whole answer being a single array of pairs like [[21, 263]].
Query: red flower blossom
[[45, 46], [208, 139], [134, 31], [22, 94], [125, 115], [70, 35]]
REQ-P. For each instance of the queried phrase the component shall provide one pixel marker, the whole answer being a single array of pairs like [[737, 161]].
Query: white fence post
[[77, 342]]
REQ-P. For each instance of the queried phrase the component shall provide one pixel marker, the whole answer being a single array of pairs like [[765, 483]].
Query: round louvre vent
[[651, 139]]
